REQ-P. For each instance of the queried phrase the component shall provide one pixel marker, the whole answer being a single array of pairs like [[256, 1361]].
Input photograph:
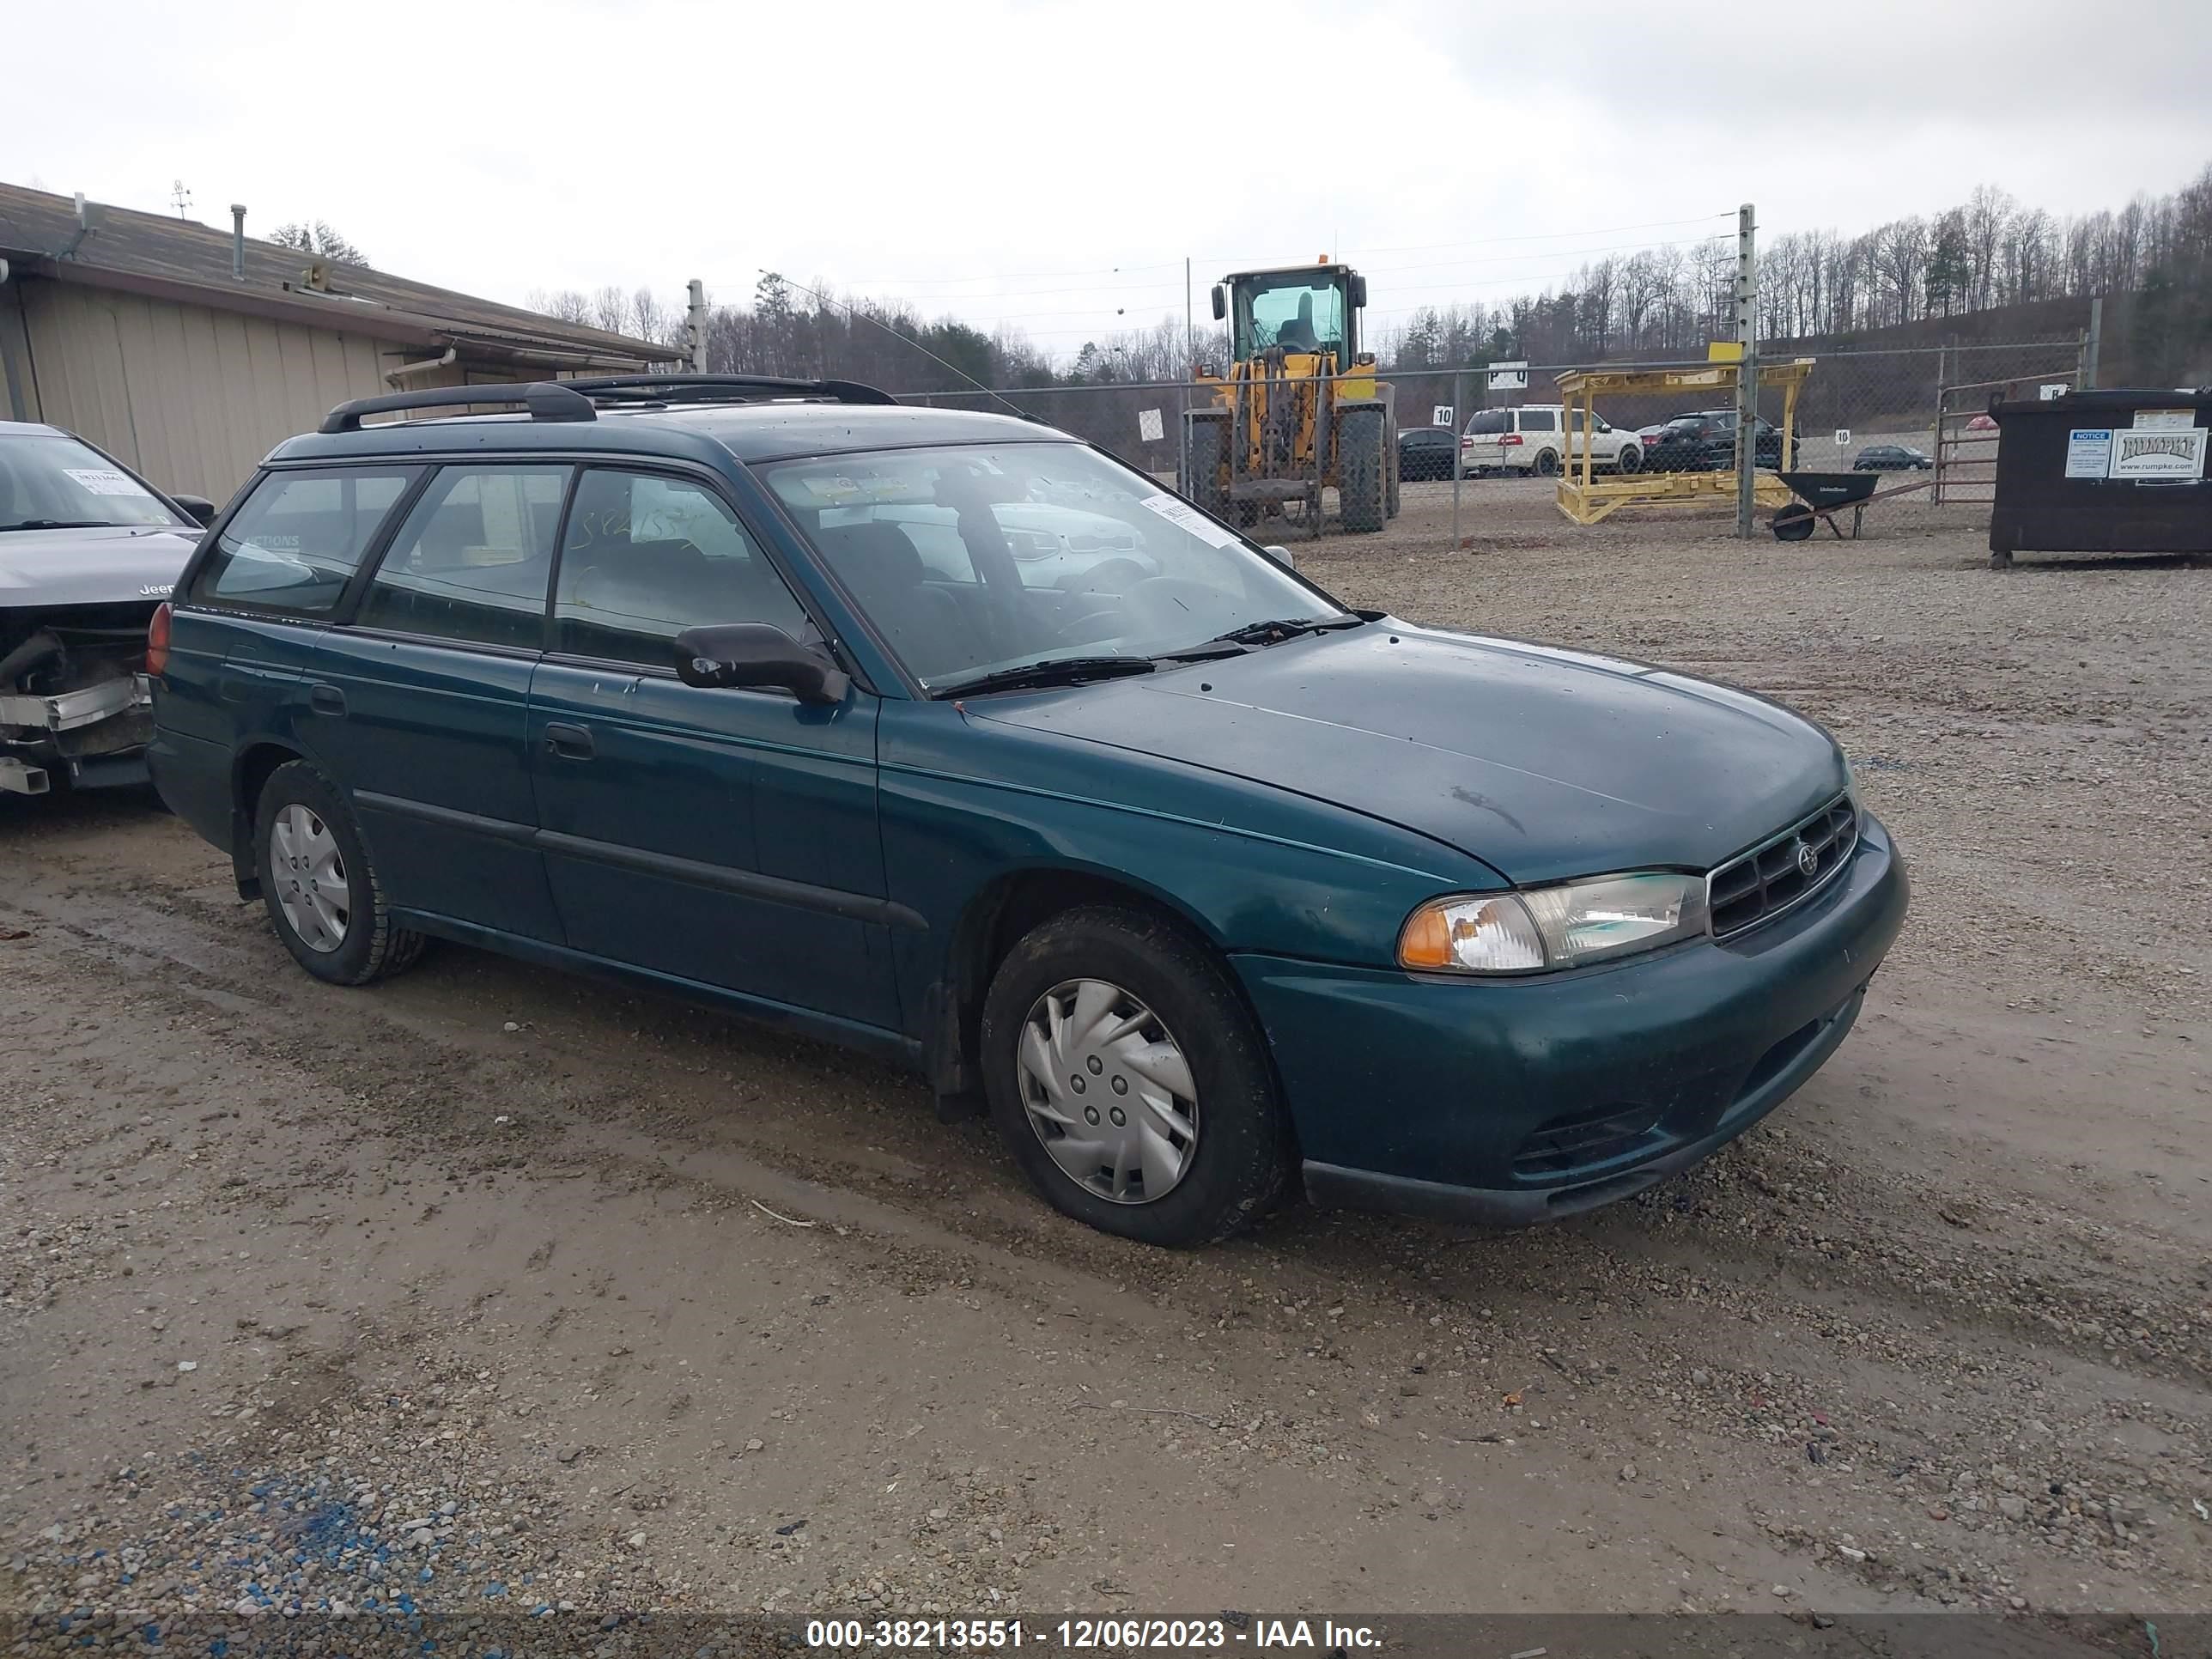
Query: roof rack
[[543, 399], [721, 389]]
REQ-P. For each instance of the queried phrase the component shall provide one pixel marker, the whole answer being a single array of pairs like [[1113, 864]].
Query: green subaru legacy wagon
[[953, 737]]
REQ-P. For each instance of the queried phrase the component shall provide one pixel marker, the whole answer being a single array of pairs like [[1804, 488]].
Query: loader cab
[[1303, 309]]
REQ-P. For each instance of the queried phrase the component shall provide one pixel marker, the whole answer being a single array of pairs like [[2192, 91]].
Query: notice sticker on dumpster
[[2089, 451], [2164, 420], [2158, 455]]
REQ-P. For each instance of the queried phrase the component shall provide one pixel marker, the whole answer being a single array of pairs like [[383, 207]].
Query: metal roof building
[[190, 351]]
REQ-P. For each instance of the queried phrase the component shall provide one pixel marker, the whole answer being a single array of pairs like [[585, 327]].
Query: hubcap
[[310, 878], [1108, 1091]]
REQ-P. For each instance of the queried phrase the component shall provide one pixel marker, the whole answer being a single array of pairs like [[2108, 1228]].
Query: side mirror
[[761, 655], [198, 508], [1281, 556], [1220, 302], [1359, 292]]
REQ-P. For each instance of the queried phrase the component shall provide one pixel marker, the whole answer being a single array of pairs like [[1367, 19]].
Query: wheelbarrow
[[1821, 496]]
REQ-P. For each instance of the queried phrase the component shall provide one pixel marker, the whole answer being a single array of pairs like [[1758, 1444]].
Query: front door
[[727, 837], [417, 704]]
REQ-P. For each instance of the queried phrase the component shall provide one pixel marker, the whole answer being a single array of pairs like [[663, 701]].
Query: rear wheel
[[1362, 492], [318, 884], [1547, 463], [1129, 1082]]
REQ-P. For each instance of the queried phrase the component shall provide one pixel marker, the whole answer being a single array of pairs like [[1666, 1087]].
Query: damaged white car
[[88, 549]]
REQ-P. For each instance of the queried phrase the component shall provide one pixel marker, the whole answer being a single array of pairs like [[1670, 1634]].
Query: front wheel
[[1128, 1081], [1362, 492], [320, 887], [1632, 460]]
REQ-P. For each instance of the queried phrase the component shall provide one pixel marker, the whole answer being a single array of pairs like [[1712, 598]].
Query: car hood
[[110, 564], [1543, 763]]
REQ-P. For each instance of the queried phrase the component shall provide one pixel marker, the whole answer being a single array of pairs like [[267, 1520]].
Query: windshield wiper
[[61, 523], [1270, 633], [1059, 670]]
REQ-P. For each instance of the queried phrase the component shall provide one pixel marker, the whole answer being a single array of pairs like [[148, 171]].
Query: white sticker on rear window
[[1184, 516], [104, 481]]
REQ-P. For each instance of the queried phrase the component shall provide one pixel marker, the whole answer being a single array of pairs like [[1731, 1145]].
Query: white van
[[1533, 439]]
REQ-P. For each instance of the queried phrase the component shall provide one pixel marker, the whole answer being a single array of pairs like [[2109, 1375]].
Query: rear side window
[[1490, 421], [1538, 420], [474, 559], [647, 557], [298, 537]]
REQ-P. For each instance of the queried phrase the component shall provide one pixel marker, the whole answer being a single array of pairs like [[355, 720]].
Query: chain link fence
[[1907, 411]]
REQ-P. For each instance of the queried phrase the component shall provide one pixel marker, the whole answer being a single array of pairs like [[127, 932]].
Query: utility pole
[[1747, 369], [2090, 343], [695, 327], [1189, 373]]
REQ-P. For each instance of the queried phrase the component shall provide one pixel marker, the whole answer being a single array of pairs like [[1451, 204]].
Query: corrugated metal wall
[[191, 397]]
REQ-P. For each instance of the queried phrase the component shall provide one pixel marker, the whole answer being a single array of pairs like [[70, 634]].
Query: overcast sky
[[1051, 165]]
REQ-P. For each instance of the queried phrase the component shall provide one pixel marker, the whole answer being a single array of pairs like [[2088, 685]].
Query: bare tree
[[318, 238]]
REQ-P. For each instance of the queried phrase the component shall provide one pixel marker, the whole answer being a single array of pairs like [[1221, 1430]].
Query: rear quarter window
[[1539, 420], [298, 537]]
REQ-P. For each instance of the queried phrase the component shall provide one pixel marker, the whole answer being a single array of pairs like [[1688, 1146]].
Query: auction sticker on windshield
[[104, 481], [1184, 516]]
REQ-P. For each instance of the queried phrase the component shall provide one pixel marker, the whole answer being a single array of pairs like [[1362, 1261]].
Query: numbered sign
[[1842, 437], [1441, 415]]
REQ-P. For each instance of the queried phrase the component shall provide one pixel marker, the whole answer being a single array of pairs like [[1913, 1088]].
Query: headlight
[[1565, 926]]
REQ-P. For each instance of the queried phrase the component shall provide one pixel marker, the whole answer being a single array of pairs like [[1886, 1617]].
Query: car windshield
[[50, 482], [973, 561], [1298, 313]]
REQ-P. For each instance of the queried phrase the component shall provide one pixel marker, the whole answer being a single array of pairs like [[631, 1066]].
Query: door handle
[[327, 700], [569, 742]]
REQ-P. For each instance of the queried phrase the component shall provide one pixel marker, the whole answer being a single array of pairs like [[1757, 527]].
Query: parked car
[[1206, 883], [1425, 452], [1704, 441], [1891, 458], [87, 549], [1535, 439]]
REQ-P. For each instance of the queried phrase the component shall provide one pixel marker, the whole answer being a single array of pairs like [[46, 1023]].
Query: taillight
[[1466, 443], [157, 641], [1510, 437]]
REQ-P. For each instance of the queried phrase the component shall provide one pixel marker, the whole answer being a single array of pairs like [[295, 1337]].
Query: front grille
[[1772, 876]]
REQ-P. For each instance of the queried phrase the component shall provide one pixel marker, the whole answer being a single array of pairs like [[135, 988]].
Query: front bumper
[[1510, 1102], [96, 733]]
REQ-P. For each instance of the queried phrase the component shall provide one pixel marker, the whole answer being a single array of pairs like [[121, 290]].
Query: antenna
[[180, 197]]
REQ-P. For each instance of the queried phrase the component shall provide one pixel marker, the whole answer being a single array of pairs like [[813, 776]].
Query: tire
[[1632, 460], [1208, 440], [1362, 492], [1236, 1159], [1794, 523], [1547, 465], [319, 885]]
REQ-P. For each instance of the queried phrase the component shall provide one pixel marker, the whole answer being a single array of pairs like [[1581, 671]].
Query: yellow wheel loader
[[1300, 410]]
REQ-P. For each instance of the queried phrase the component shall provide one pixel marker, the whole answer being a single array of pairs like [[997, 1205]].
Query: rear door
[[1540, 431], [726, 837], [418, 702]]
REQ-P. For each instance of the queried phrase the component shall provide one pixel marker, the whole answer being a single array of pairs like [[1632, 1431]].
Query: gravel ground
[[491, 1292]]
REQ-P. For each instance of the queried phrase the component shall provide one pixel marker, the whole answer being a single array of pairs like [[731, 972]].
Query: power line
[[1130, 269], [862, 316]]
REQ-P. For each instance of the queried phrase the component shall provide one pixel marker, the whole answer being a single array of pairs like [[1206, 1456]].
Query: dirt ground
[[491, 1287]]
